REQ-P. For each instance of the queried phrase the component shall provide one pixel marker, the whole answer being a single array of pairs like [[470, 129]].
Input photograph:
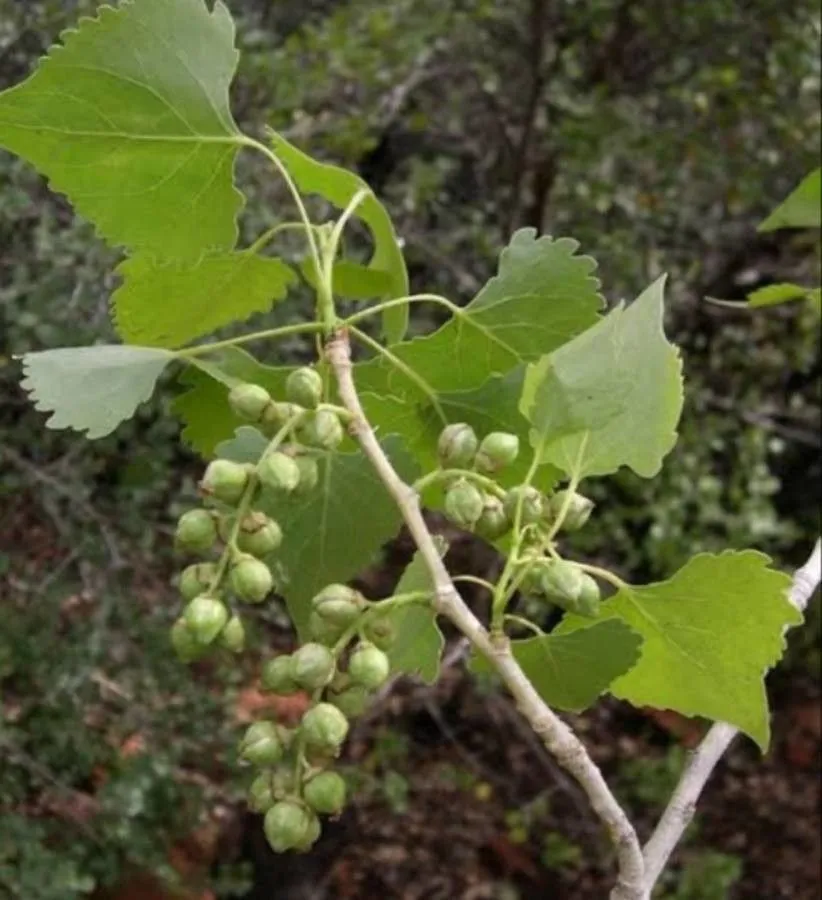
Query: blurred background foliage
[[658, 135]]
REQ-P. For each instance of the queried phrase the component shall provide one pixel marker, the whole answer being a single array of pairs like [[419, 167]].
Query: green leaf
[[618, 388], [351, 280], [417, 648], [204, 408], [168, 303], [571, 670], [339, 187], [333, 532], [130, 119], [543, 296], [92, 389], [815, 300], [774, 294], [469, 366], [710, 633], [801, 209]]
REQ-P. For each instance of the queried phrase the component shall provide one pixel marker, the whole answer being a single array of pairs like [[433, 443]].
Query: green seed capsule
[[277, 415], [533, 506], [325, 793], [287, 825], [589, 599], [197, 579], [369, 666], [578, 513], [312, 666], [196, 531], [251, 580], [493, 523], [463, 504], [205, 618], [278, 472], [323, 429], [309, 474], [185, 644], [351, 702], [276, 676], [259, 535], [232, 637], [249, 401], [380, 631], [304, 386], [339, 604], [324, 728], [457, 446], [261, 745], [566, 585], [261, 793], [496, 451], [225, 481], [312, 834], [323, 631]]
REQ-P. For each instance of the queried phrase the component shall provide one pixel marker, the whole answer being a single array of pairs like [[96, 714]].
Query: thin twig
[[554, 733], [680, 809]]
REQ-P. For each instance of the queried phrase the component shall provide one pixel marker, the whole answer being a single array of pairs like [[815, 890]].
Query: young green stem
[[503, 591], [487, 484]]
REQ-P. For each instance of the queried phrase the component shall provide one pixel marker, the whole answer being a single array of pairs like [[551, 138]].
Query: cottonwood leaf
[[92, 389], [571, 670], [543, 296], [465, 370], [168, 303], [417, 648], [710, 632], [801, 209], [774, 294], [617, 388], [331, 533], [130, 119], [339, 187], [203, 407]]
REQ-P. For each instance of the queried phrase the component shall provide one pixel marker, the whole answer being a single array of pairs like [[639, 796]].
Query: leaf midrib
[[237, 139]]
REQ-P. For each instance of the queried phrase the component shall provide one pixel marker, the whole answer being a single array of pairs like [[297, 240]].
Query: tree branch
[[558, 738], [680, 809]]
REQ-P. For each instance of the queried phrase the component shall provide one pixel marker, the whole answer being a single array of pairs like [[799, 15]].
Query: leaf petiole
[[282, 331], [409, 373]]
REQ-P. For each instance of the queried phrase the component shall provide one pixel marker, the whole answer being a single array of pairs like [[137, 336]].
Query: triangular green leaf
[[801, 209], [417, 648], [204, 408], [338, 187], [333, 532], [774, 294], [165, 303], [468, 364], [710, 633], [92, 389], [130, 119], [543, 296], [571, 670], [620, 384]]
